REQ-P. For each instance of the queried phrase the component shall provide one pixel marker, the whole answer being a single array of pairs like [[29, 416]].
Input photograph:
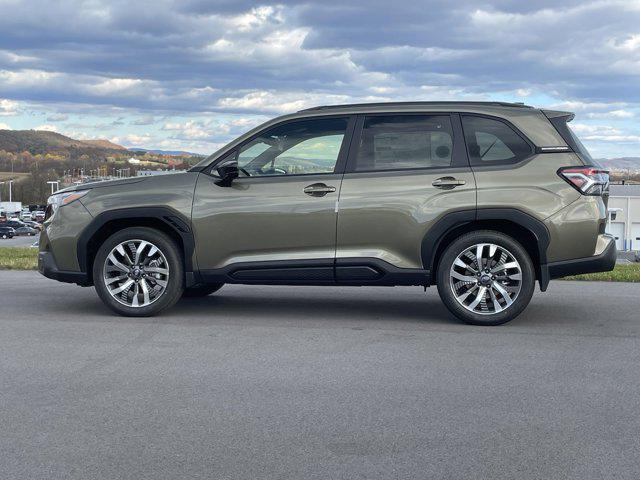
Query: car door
[[405, 172], [277, 220]]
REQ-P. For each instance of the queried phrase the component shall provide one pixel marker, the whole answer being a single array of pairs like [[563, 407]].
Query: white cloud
[[4, 126], [603, 133], [46, 127], [8, 108]]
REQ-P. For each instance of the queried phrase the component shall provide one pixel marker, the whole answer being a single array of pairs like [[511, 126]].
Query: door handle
[[447, 183], [318, 189]]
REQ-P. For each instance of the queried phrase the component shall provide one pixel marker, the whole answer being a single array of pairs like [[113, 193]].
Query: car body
[[420, 193], [14, 223], [26, 231], [32, 224], [6, 232]]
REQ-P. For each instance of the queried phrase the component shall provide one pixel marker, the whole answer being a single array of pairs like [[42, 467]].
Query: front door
[[279, 215], [405, 172]]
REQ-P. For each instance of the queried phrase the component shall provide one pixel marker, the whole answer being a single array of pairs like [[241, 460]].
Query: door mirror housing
[[227, 173]]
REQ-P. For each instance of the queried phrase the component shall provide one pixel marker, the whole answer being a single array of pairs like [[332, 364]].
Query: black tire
[[175, 283], [201, 290], [459, 246]]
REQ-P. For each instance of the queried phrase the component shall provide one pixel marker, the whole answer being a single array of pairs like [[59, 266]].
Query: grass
[[14, 175], [18, 258], [624, 272]]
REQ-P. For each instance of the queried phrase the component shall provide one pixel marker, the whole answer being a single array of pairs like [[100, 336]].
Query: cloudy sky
[[192, 74]]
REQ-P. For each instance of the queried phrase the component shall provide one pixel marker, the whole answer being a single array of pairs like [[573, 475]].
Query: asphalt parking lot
[[18, 241], [331, 383]]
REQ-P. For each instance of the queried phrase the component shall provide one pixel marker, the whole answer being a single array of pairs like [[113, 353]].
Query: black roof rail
[[417, 104]]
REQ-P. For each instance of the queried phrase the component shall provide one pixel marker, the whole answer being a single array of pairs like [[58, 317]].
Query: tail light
[[587, 180]]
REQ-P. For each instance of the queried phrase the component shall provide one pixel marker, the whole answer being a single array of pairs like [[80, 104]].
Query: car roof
[[354, 107]]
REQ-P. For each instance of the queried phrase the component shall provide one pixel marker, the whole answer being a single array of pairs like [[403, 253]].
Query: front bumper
[[47, 267], [603, 262]]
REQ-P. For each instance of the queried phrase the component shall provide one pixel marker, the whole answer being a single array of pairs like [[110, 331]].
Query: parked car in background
[[6, 232], [481, 199], [32, 224], [26, 216], [26, 231], [13, 223], [38, 216]]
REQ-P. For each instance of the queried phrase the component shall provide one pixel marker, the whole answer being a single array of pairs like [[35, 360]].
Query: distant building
[[10, 208], [148, 173], [624, 203], [133, 161]]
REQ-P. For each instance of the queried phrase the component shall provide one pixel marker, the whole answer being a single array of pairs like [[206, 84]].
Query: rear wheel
[[202, 290], [486, 278], [138, 272]]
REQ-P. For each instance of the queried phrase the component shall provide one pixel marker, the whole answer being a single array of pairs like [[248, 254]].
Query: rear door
[[405, 171]]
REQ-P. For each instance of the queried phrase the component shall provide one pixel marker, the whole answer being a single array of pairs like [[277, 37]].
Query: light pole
[[10, 183], [1, 183], [52, 183]]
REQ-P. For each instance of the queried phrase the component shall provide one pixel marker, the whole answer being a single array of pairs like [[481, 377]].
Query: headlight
[[62, 199]]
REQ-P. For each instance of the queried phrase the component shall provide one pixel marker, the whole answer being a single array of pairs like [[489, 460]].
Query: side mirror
[[227, 174]]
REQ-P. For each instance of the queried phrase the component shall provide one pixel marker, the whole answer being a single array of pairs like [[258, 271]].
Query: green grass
[[625, 272], [18, 258]]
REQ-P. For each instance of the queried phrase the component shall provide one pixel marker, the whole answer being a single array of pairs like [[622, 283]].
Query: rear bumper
[[604, 262], [47, 267]]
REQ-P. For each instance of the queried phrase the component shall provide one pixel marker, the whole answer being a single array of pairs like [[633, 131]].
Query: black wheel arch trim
[[434, 237], [173, 219]]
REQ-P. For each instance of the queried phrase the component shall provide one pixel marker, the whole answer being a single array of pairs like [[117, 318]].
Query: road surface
[[322, 383]]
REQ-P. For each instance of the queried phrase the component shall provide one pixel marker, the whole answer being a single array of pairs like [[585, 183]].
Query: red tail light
[[587, 180]]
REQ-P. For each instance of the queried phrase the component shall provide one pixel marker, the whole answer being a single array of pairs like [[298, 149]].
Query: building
[[10, 208], [624, 205]]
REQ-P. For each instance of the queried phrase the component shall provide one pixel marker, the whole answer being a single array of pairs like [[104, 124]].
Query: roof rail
[[418, 104]]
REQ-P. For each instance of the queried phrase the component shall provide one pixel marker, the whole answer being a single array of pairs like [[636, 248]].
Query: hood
[[105, 183]]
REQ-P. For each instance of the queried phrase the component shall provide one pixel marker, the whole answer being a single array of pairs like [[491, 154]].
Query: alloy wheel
[[486, 278], [136, 273]]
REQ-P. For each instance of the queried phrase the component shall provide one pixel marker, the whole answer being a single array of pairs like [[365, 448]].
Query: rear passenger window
[[398, 142], [493, 142]]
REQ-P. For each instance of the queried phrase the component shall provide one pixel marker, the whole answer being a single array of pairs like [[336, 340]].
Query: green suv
[[479, 198]]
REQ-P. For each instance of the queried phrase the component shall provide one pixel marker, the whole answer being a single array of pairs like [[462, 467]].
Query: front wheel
[[485, 278], [138, 272]]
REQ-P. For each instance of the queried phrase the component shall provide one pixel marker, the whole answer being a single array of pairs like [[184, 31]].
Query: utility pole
[[10, 183], [1, 183]]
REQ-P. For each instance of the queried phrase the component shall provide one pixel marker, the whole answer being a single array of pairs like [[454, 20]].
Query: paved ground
[[18, 241], [296, 383]]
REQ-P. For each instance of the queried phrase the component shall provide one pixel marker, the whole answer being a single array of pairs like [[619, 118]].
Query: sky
[[193, 74]]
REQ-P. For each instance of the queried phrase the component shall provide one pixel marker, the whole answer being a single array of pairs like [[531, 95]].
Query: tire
[[156, 286], [201, 290], [4, 236], [460, 287]]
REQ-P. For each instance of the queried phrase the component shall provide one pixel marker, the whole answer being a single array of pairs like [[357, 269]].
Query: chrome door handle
[[318, 189], [447, 183]]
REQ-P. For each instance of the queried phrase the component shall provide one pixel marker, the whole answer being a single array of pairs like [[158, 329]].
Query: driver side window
[[303, 147]]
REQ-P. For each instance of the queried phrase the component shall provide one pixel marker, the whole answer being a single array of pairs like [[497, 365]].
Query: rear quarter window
[[493, 142]]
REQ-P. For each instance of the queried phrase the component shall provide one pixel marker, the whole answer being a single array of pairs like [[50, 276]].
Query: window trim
[[498, 163], [341, 161], [459, 156]]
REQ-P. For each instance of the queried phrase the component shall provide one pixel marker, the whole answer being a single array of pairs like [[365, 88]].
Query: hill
[[43, 142], [104, 144], [623, 163], [173, 153]]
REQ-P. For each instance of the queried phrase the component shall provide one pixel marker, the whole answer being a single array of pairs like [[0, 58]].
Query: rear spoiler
[[568, 116]]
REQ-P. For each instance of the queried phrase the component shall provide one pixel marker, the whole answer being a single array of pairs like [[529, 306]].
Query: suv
[[479, 198], [6, 232]]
